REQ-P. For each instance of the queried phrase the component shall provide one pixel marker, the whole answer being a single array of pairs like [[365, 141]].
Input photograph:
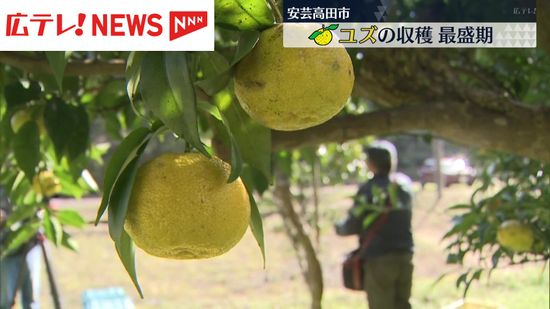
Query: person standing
[[19, 270], [387, 258]]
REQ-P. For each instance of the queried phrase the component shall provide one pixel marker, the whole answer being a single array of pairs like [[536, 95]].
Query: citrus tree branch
[[314, 272], [477, 117], [523, 131], [276, 12], [34, 64]]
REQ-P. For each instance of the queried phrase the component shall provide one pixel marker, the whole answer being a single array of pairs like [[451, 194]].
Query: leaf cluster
[[511, 188]]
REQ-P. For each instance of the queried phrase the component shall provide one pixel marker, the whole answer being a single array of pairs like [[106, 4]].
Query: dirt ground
[[238, 280]]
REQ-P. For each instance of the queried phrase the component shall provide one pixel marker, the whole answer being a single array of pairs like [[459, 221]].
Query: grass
[[237, 279]]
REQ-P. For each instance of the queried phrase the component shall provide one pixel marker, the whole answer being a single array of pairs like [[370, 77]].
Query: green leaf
[[20, 237], [58, 61], [495, 258], [68, 127], [119, 181], [247, 41], [168, 92], [120, 196], [256, 179], [20, 187], [126, 253], [6, 135], [78, 135], [236, 159], [113, 126], [15, 94], [214, 84], [69, 187], [212, 63], [332, 27], [216, 71], [243, 14], [253, 139], [52, 228], [314, 35], [70, 217], [133, 71], [21, 213], [369, 220], [393, 196], [68, 242], [461, 279], [55, 116], [112, 96], [219, 71], [77, 165], [183, 90], [460, 206], [256, 225], [453, 258], [123, 155], [475, 276], [26, 147]]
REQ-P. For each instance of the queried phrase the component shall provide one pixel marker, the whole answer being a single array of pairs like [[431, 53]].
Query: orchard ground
[[237, 280]]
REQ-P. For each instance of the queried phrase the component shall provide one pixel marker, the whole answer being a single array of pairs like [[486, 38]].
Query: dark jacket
[[394, 235]]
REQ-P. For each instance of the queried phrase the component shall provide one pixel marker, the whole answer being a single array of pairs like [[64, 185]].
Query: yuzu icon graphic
[[323, 35]]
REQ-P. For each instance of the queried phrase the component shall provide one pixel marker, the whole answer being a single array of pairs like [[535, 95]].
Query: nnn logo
[[182, 23]]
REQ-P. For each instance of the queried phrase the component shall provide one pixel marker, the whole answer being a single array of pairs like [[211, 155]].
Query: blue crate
[[109, 298]]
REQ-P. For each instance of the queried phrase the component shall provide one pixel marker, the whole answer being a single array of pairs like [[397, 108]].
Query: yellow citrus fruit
[[292, 88], [515, 235], [19, 118], [324, 38], [46, 184], [182, 207]]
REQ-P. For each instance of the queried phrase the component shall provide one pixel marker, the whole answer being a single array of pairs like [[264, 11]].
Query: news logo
[[182, 23], [107, 25]]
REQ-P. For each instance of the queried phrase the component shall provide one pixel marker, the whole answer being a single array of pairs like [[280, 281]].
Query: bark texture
[[312, 271], [519, 130]]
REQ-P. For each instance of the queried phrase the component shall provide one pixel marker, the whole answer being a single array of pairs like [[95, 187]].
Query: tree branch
[[396, 80], [522, 131], [39, 65], [314, 273]]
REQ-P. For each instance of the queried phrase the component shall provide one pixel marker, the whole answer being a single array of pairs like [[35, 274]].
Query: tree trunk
[[291, 233], [439, 178], [315, 182], [314, 274]]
